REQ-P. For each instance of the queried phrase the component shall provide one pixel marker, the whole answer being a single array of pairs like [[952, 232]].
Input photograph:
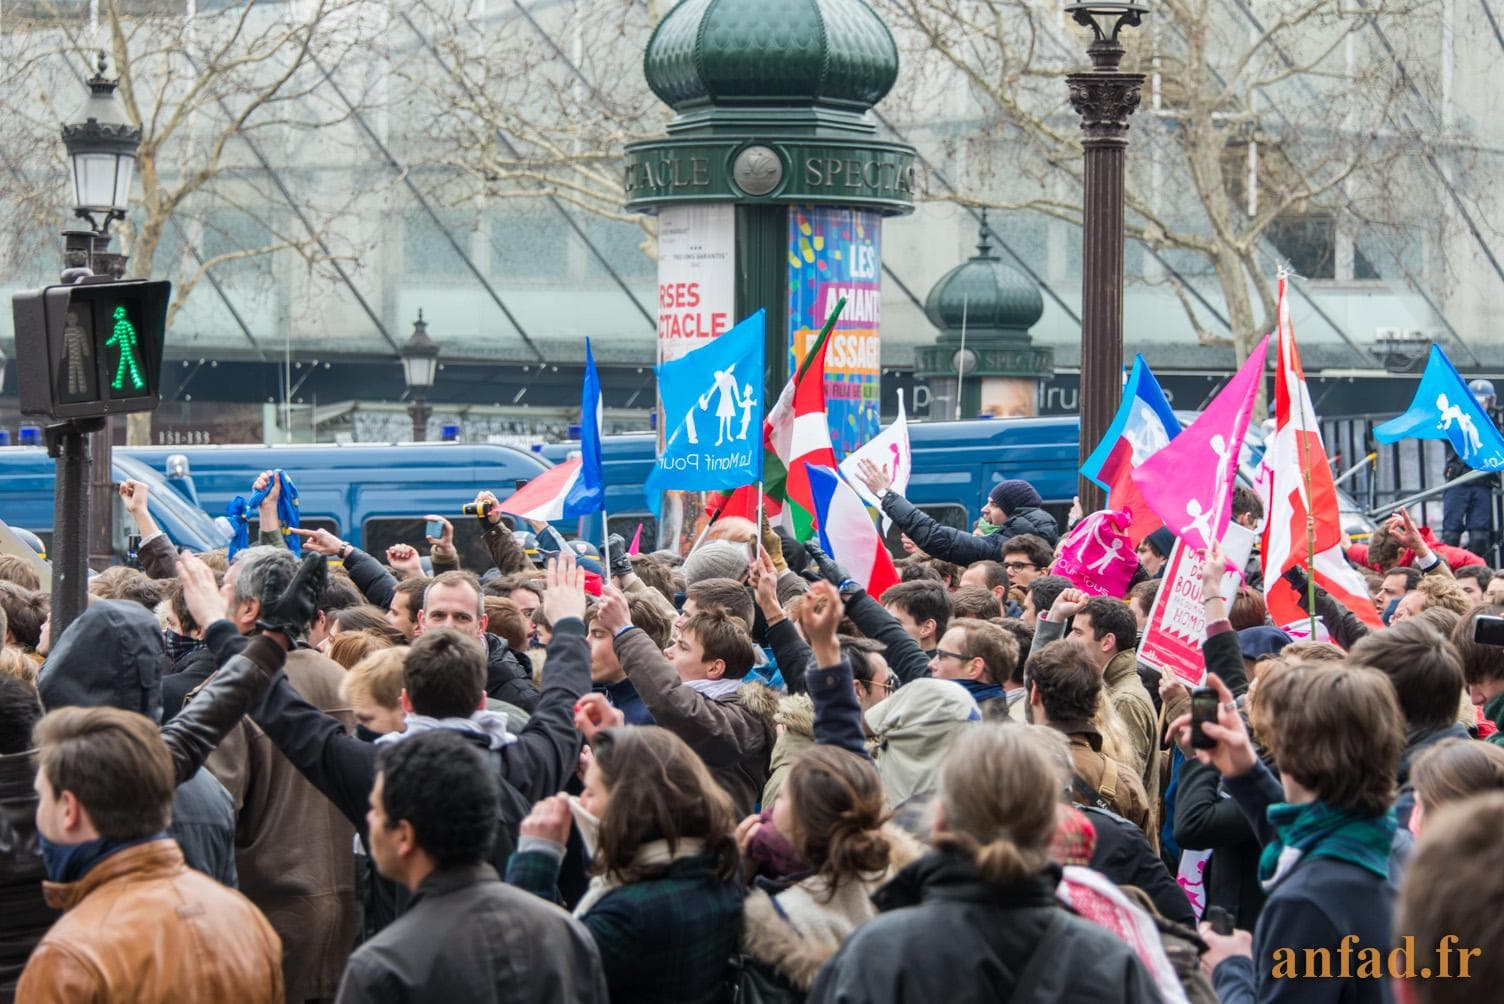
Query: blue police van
[[371, 495], [955, 466], [27, 488]]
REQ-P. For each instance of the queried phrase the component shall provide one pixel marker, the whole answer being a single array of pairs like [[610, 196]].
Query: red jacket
[[1455, 557]]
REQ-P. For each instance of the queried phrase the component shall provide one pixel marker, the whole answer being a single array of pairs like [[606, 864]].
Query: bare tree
[[534, 103], [1249, 120], [212, 92]]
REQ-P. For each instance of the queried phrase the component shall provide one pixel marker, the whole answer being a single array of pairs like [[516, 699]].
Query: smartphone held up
[[1204, 701]]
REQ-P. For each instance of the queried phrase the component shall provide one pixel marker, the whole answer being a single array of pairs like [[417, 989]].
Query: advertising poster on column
[[696, 277], [836, 252]]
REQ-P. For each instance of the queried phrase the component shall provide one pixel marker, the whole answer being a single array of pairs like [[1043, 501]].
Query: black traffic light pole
[[68, 443], [69, 381]]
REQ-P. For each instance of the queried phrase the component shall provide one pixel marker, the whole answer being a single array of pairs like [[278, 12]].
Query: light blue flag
[[712, 415], [587, 496], [1445, 409]]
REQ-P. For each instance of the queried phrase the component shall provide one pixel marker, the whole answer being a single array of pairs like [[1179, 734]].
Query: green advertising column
[[771, 185]]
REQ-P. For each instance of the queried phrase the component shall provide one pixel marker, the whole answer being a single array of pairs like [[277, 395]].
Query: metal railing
[[1406, 473]]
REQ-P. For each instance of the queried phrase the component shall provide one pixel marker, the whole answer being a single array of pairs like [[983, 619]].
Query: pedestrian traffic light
[[91, 348]]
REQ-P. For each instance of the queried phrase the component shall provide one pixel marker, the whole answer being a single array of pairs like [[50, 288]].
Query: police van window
[[381, 532], [948, 514], [626, 526], [304, 522]]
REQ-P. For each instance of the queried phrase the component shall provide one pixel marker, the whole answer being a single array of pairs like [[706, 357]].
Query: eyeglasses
[[886, 685], [1015, 566], [941, 653]]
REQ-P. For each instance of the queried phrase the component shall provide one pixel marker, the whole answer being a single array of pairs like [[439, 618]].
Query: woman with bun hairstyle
[[830, 812], [977, 919]]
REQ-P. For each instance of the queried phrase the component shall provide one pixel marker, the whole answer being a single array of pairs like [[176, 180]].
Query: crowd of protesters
[[580, 775]]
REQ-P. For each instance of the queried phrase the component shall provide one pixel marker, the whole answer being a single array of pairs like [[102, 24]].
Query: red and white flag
[[1295, 459], [800, 435]]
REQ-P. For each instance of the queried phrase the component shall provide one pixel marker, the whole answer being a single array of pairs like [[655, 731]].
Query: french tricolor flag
[[1143, 424], [847, 533], [575, 487]]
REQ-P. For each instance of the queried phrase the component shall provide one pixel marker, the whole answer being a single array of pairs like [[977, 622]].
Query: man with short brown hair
[[453, 600], [1065, 689], [1335, 734], [138, 924], [980, 657], [1426, 673]]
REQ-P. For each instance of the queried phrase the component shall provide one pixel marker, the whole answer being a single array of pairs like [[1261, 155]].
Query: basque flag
[[1143, 424], [847, 533]]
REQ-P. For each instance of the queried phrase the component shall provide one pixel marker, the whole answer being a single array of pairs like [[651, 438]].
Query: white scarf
[[715, 690], [491, 724], [654, 852]]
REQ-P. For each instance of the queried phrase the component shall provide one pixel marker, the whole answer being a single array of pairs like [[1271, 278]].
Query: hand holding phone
[[1220, 920], [1204, 703], [434, 530]]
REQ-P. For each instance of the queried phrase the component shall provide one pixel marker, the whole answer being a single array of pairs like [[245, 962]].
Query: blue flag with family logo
[[712, 415], [1444, 408]]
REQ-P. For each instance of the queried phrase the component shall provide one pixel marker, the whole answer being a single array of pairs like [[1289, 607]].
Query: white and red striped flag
[[1295, 459]]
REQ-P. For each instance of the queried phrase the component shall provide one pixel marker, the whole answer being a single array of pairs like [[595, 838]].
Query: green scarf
[[988, 529], [1316, 830]]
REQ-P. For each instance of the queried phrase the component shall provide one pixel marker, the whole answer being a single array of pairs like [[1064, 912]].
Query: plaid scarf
[[1316, 830]]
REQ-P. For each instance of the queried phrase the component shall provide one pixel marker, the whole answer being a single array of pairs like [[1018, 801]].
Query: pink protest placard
[[1177, 624]]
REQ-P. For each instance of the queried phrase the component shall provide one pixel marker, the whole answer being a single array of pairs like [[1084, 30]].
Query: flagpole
[[605, 546], [961, 357], [1305, 467], [759, 519]]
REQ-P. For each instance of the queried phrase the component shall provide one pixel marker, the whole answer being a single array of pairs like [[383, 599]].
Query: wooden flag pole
[[1305, 467]]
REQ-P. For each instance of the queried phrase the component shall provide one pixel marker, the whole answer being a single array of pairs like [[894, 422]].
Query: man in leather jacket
[[190, 737]]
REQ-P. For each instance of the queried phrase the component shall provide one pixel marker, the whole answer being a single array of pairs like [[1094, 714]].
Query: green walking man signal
[[124, 339], [91, 348]]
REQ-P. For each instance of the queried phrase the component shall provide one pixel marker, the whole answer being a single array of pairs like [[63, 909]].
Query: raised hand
[[405, 559], [564, 588], [612, 611], [319, 541], [134, 494], [764, 580], [1066, 604], [1213, 572], [1233, 755], [200, 593], [290, 613], [822, 615], [593, 713], [877, 479]]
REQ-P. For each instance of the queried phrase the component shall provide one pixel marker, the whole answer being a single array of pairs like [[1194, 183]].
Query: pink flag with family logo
[[1097, 555], [1188, 482]]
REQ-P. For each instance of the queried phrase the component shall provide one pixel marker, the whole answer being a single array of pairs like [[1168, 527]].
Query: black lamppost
[[101, 142], [420, 362], [1104, 98]]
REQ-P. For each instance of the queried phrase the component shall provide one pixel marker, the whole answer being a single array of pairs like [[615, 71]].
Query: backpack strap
[[1044, 954], [1109, 777], [1084, 794]]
